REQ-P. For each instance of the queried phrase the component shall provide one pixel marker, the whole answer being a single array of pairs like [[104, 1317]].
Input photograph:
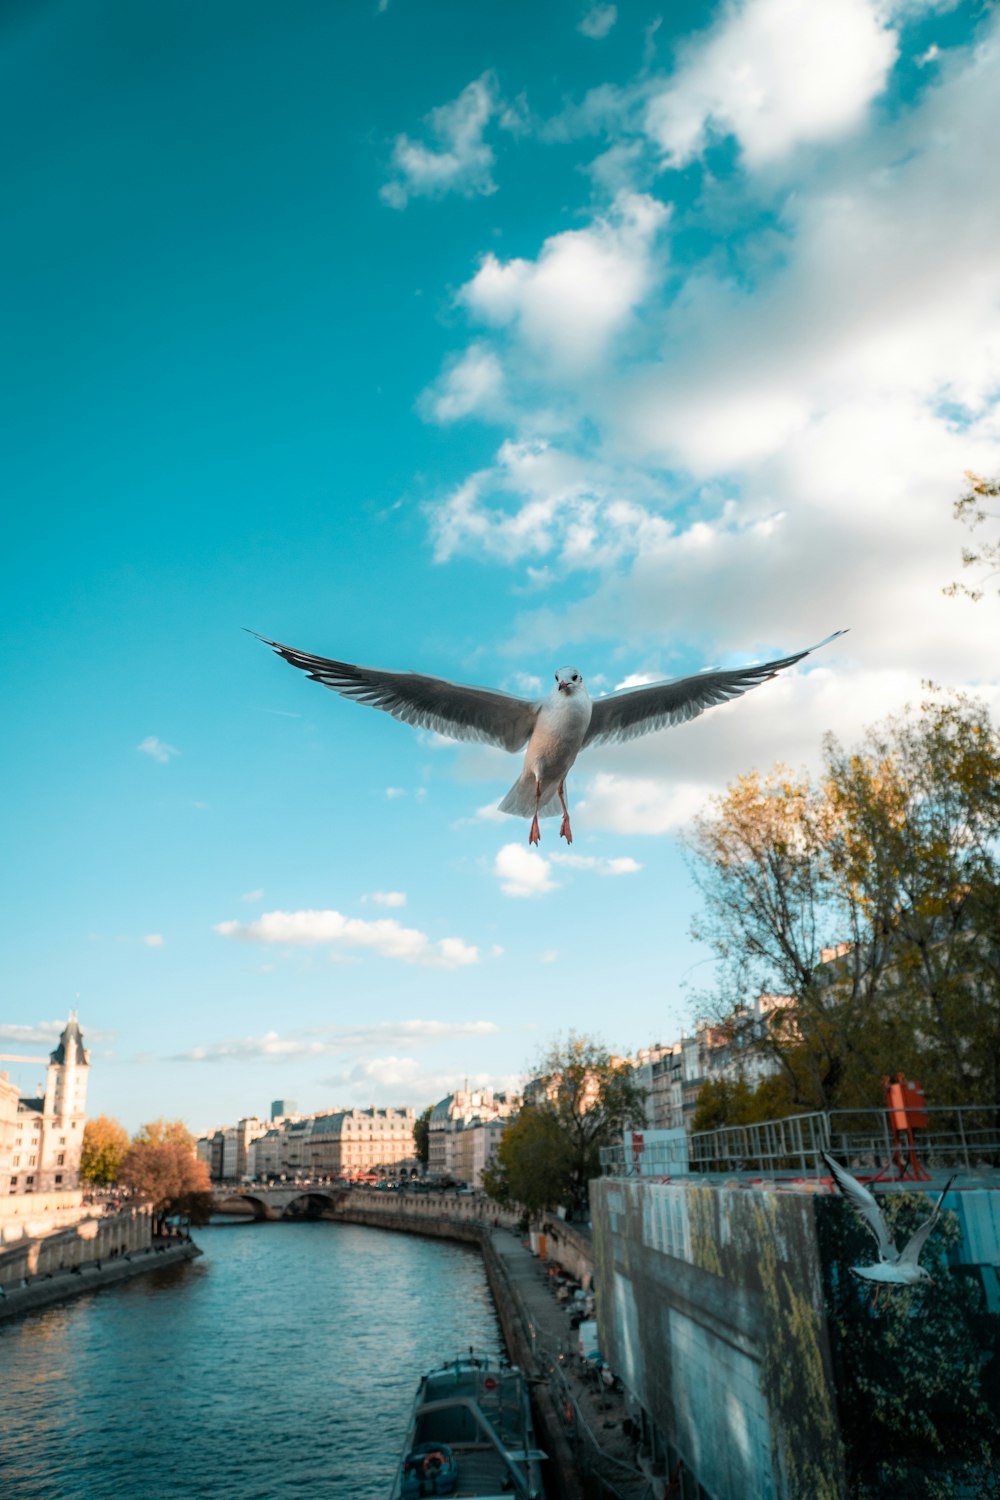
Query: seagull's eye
[[576, 677]]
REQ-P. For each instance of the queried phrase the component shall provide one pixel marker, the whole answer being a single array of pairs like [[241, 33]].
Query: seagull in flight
[[893, 1267], [552, 732]]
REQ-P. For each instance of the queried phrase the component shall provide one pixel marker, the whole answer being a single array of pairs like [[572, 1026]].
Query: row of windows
[[29, 1182], [32, 1160]]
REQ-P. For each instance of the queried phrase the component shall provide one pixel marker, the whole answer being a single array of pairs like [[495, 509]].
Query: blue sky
[[476, 340]]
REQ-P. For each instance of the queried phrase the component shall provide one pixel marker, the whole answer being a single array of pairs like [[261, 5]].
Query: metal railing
[[965, 1135]]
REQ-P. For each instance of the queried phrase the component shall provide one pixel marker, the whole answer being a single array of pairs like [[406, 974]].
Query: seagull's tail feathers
[[520, 800]]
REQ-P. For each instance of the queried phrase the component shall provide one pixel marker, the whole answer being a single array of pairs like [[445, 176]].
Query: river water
[[283, 1363]]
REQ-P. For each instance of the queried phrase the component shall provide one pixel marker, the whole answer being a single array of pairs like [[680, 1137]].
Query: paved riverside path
[[603, 1451]]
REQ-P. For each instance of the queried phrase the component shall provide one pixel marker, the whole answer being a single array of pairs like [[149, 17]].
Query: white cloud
[[335, 1040], [813, 420], [473, 385], [622, 865], [405, 1081], [333, 930], [392, 792], [581, 291], [42, 1034], [462, 161], [251, 896], [386, 898], [256, 1049], [598, 21], [775, 74], [153, 940], [381, 1033], [538, 498], [157, 750], [490, 813], [46, 1034], [624, 804], [523, 872]]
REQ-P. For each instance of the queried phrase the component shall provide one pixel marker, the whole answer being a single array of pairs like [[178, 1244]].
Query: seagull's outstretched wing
[[911, 1250], [864, 1205], [624, 716], [461, 713]]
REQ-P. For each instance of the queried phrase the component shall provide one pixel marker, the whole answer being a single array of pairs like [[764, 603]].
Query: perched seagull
[[554, 730], [893, 1267]]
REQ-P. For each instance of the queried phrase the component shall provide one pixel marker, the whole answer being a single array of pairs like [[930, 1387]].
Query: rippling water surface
[[282, 1363]]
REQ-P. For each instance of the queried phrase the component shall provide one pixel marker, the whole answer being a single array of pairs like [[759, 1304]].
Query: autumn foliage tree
[[584, 1100], [162, 1170], [870, 899], [973, 509], [105, 1144]]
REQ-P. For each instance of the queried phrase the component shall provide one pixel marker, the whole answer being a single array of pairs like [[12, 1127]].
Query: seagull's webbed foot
[[534, 837], [565, 832]]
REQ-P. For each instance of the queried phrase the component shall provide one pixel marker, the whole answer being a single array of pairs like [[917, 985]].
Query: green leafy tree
[[422, 1135], [583, 1100], [105, 1143], [533, 1165], [917, 1383], [870, 900]]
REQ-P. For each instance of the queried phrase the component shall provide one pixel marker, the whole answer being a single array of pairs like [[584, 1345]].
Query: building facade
[[465, 1130], [359, 1142], [41, 1139]]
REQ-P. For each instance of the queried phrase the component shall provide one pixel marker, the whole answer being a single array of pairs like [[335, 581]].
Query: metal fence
[[955, 1136]]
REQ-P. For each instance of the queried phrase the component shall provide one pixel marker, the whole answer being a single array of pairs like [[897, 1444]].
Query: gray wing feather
[[461, 713], [624, 716], [911, 1250], [864, 1205]]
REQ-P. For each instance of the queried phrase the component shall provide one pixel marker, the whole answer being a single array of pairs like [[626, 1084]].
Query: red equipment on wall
[[907, 1112]]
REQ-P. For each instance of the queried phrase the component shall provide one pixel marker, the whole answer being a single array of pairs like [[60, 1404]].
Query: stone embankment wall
[[419, 1209], [58, 1286], [571, 1248], [80, 1245], [27, 1216], [710, 1308]]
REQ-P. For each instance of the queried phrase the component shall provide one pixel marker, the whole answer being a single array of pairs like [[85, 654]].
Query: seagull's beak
[[564, 687]]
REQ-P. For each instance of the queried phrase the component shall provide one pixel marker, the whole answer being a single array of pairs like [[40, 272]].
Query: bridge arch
[[310, 1203]]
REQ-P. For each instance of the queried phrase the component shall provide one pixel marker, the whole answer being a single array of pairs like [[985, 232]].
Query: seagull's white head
[[568, 680]]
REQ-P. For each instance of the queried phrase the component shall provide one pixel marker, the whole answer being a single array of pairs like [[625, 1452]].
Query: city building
[[467, 1110], [358, 1142], [236, 1140], [281, 1109], [41, 1138]]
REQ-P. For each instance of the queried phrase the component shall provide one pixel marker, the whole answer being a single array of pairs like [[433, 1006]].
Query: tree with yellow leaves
[[870, 899]]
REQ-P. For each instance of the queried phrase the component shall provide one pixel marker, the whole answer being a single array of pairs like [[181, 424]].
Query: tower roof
[[70, 1048]]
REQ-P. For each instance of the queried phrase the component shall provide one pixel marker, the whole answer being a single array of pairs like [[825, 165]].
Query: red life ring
[[489, 1383], [433, 1463]]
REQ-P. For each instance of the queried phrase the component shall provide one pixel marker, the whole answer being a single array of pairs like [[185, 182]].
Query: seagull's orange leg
[[534, 837], [565, 832]]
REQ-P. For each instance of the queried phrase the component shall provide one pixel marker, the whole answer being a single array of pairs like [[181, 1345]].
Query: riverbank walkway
[[595, 1417]]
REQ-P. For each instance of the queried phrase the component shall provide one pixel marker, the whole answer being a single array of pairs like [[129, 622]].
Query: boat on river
[[471, 1434]]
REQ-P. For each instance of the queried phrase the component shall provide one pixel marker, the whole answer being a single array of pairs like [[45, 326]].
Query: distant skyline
[[637, 338]]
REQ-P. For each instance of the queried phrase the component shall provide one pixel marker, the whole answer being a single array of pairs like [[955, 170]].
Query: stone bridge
[[280, 1201]]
